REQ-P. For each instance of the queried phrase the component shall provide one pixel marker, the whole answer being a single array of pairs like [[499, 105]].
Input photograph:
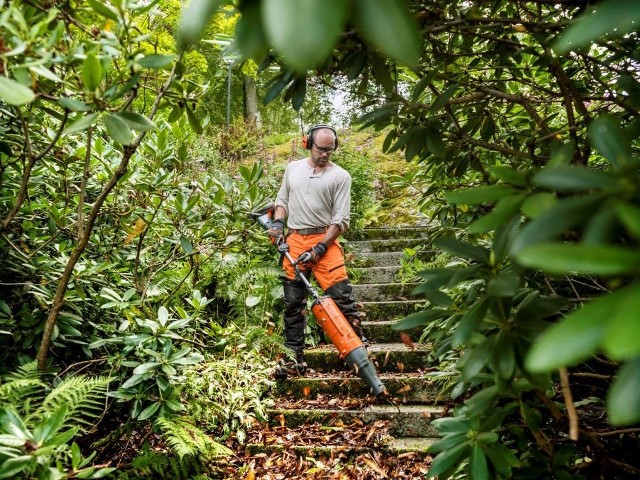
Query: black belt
[[308, 231]]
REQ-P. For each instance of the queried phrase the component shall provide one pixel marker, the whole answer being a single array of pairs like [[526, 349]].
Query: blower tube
[[350, 347]]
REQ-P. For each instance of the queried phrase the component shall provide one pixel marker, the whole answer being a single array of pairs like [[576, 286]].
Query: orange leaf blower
[[333, 322]]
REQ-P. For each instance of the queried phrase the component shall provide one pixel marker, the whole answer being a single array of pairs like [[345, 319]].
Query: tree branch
[[566, 88], [30, 160], [502, 149], [568, 401], [85, 180], [63, 123]]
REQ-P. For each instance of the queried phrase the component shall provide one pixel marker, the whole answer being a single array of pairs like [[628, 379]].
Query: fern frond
[[17, 391], [167, 280], [83, 396], [187, 440], [28, 370], [260, 339], [21, 385]]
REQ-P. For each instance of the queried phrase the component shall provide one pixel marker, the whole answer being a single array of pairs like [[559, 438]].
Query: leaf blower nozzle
[[358, 360], [350, 347]]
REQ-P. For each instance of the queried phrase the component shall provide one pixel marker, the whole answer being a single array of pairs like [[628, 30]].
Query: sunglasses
[[327, 150]]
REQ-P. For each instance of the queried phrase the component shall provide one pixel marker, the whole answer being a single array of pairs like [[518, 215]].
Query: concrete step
[[374, 274], [380, 292], [391, 310], [417, 231], [382, 331], [406, 388], [404, 420], [387, 357], [411, 444], [392, 446], [385, 259], [386, 245]]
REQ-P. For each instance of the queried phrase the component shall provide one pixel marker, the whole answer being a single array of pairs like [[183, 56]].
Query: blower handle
[[300, 275], [263, 217]]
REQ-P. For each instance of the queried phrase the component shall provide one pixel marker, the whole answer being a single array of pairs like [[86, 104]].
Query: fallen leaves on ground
[[324, 402], [338, 466], [332, 451]]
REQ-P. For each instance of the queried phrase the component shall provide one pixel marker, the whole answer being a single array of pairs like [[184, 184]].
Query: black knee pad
[[295, 297], [342, 294]]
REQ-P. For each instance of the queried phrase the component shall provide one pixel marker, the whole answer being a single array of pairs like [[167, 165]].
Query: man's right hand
[[276, 232]]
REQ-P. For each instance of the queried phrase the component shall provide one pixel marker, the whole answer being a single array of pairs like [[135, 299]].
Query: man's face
[[323, 145]]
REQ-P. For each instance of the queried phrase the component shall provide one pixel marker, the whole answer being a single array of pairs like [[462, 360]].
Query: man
[[315, 198]]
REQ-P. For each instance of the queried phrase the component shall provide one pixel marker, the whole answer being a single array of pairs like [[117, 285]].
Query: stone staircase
[[332, 398]]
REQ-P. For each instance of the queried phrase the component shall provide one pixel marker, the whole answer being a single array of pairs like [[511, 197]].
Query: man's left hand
[[312, 255]]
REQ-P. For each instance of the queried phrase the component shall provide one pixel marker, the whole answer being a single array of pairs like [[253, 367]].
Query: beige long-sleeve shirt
[[315, 199]]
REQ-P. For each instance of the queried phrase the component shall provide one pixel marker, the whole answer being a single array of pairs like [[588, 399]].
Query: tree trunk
[[250, 99]]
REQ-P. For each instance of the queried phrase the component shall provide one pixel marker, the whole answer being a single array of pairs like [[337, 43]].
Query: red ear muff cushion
[[305, 142]]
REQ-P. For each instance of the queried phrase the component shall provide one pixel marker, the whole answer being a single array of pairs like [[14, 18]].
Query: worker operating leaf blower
[[332, 321]]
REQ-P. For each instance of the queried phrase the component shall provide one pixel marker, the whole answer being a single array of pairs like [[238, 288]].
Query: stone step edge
[[404, 420], [382, 409], [376, 348], [392, 446], [409, 389]]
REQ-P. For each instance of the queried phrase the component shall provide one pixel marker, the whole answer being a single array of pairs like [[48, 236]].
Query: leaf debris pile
[[335, 466], [343, 451], [323, 402]]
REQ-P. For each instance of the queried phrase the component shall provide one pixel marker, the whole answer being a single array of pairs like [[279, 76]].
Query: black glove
[[312, 255], [276, 232], [283, 247]]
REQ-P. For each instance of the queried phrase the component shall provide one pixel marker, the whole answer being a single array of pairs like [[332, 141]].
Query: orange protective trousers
[[328, 271]]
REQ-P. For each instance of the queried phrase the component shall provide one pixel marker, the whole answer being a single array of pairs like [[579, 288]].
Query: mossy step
[[411, 444], [391, 310], [391, 446], [409, 388], [382, 331], [387, 357], [387, 245], [384, 291], [406, 231], [385, 259], [374, 274], [404, 420]]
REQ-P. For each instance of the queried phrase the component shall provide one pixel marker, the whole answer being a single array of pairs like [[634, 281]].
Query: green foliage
[[185, 439], [151, 463], [92, 108], [37, 429], [156, 362], [601, 20], [21, 384], [411, 265], [81, 396], [358, 162], [237, 142], [227, 396], [306, 35]]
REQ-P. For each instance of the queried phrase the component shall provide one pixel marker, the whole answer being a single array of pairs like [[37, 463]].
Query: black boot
[[356, 323], [291, 367]]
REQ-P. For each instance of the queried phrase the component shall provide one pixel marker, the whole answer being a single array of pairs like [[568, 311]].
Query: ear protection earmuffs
[[307, 140]]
